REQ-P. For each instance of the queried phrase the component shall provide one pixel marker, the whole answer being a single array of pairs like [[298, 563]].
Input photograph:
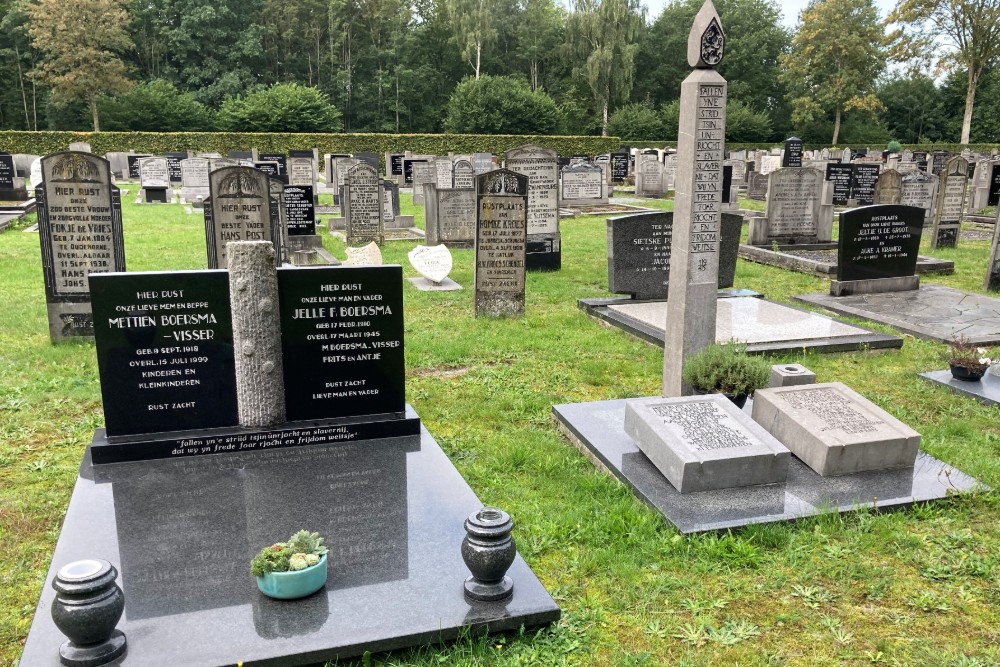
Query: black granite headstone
[[133, 166], [174, 165], [7, 172], [879, 242], [793, 153], [863, 179], [994, 193], [270, 168], [370, 159], [281, 160], [619, 167], [342, 341], [938, 160], [727, 183], [395, 164], [840, 175], [300, 210], [164, 351], [408, 171], [756, 186]]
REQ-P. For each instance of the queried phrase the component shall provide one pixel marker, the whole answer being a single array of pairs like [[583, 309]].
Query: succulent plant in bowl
[[292, 569]]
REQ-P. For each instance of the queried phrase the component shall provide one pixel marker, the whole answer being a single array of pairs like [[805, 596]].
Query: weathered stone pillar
[[694, 249], [253, 293]]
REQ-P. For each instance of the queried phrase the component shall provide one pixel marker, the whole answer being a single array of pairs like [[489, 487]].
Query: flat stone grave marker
[[433, 263], [703, 443], [368, 255], [300, 211], [154, 178], [239, 209], [835, 430], [540, 165], [879, 243], [80, 230], [501, 238]]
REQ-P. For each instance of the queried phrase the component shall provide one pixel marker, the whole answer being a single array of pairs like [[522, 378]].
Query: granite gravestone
[[301, 168], [619, 167], [450, 217], [300, 211], [269, 168], [239, 209], [918, 189], [444, 172], [639, 253], [424, 171], [703, 443], [794, 196], [464, 175], [938, 160], [391, 218], [280, 162], [394, 165], [950, 200], [992, 283], [863, 179], [194, 180], [540, 165], [12, 188], [649, 181], [889, 187], [694, 248], [501, 238], [483, 162], [363, 206], [878, 242], [669, 171], [154, 177], [979, 186], [174, 165], [80, 229], [835, 430], [792, 155], [839, 175], [582, 184], [757, 186], [133, 162]]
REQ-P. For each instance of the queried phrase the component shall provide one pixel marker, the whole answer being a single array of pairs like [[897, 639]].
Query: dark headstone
[[270, 168], [371, 159], [994, 193], [174, 165], [863, 179], [12, 187], [619, 167], [727, 183], [281, 160], [133, 166], [396, 164], [240, 155], [408, 170], [501, 237], [879, 242], [793, 153], [300, 210], [840, 175], [938, 160], [80, 228]]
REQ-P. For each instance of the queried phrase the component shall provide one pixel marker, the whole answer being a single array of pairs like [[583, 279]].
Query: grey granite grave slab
[[808, 259], [702, 443], [597, 429], [933, 312], [986, 391], [835, 430], [764, 325], [392, 511]]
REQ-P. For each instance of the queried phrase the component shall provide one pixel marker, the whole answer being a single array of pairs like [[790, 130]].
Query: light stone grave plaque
[[582, 185], [444, 177], [464, 175], [769, 163], [300, 171], [835, 430], [889, 187], [433, 263], [239, 209], [794, 196], [362, 205], [368, 255], [541, 166], [423, 172], [501, 239], [703, 443], [154, 178], [194, 180], [949, 204], [918, 189], [450, 217]]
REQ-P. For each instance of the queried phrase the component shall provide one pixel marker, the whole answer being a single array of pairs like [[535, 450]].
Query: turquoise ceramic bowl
[[292, 585]]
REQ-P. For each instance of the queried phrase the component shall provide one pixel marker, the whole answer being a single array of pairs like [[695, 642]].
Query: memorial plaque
[[450, 217], [483, 162], [300, 171], [840, 175], [703, 443], [133, 166], [619, 167], [7, 172], [194, 179], [369, 158], [501, 237], [342, 340], [792, 155], [154, 173], [863, 179], [541, 167], [464, 175], [269, 168], [432, 262], [165, 351], [994, 185], [408, 165], [582, 185], [918, 189], [363, 206], [280, 162], [938, 160], [300, 211], [639, 254], [879, 242], [889, 187], [949, 204], [835, 430], [367, 255], [443, 176], [794, 195], [239, 209], [769, 163], [80, 229]]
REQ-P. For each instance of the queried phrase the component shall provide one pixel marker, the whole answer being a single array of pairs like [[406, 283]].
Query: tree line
[[925, 73]]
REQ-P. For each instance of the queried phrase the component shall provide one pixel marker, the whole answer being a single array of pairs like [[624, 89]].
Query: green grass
[[916, 587]]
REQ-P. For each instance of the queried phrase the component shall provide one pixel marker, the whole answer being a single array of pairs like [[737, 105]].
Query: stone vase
[[488, 551]]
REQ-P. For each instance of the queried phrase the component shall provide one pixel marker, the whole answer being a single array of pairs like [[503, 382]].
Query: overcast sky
[[790, 10]]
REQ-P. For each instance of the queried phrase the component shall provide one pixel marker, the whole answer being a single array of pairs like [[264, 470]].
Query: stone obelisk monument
[[694, 249]]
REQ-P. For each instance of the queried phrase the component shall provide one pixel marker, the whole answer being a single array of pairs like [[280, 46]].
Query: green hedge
[[43, 143], [735, 146]]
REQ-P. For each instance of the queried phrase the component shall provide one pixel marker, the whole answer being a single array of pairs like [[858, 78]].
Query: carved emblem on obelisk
[[706, 41]]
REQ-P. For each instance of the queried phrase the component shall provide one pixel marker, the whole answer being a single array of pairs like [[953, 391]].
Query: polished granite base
[[597, 429], [986, 391], [763, 325], [822, 260], [933, 312], [182, 533]]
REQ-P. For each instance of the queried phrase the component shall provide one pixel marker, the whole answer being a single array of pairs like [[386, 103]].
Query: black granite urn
[[488, 551], [87, 607]]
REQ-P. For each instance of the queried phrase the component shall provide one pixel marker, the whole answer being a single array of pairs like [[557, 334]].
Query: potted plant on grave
[[967, 361], [292, 569], [726, 369]]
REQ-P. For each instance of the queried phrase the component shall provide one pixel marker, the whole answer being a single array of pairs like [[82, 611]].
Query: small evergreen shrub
[[726, 369]]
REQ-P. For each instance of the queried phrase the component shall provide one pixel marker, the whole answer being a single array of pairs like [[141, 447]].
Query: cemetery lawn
[[914, 587]]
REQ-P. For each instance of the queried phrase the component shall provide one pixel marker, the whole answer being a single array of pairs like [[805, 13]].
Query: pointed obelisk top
[[706, 41]]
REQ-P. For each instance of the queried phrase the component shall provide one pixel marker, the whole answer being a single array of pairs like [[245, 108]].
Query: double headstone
[[877, 249], [80, 227]]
